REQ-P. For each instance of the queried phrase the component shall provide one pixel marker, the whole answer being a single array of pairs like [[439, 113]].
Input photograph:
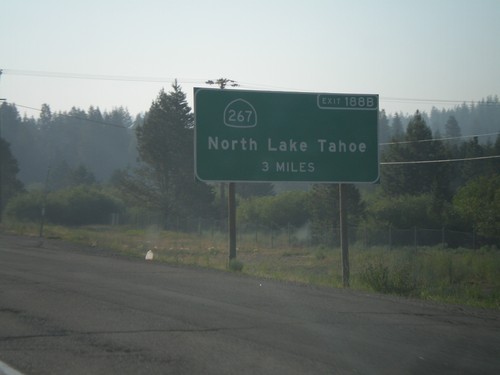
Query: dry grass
[[455, 276]]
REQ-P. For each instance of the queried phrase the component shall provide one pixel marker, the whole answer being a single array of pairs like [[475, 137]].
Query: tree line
[[99, 141], [146, 165]]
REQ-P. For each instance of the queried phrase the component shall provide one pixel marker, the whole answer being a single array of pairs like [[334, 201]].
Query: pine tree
[[471, 169], [45, 117], [397, 128], [452, 129], [415, 178], [383, 127], [165, 145]]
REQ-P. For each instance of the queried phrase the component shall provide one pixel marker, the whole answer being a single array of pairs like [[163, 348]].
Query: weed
[[397, 279], [235, 265], [213, 251], [321, 253], [450, 275], [376, 276]]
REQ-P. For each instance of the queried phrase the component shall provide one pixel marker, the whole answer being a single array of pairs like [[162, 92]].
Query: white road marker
[[5, 369]]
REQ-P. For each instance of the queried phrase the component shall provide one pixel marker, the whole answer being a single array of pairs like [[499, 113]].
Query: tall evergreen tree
[[45, 116], [414, 177], [397, 128], [451, 127], [165, 145], [62, 176], [471, 169], [383, 127]]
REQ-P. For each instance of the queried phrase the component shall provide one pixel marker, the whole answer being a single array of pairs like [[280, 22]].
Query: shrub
[[397, 279], [236, 265], [80, 205], [376, 276], [288, 208], [479, 201], [25, 207]]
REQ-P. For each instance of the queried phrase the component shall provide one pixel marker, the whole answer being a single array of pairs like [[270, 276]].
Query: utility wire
[[127, 78], [438, 139], [416, 100], [102, 77], [439, 161]]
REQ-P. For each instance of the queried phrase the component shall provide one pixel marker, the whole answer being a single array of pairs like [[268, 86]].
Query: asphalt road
[[67, 310]]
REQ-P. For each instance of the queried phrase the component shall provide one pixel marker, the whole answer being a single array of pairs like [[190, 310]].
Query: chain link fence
[[255, 236]]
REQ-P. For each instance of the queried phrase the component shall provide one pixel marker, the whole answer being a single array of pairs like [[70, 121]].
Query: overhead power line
[[102, 77], [439, 161], [438, 139], [130, 78], [417, 100]]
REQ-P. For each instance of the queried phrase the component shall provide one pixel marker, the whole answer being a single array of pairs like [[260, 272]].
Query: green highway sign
[[285, 136]]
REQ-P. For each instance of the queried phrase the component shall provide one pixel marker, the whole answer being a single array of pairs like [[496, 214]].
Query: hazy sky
[[111, 53]]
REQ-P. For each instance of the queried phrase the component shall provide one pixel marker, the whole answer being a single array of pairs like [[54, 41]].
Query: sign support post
[[344, 234], [231, 206]]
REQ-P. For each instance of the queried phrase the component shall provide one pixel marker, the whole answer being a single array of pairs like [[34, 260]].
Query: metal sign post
[[344, 234]]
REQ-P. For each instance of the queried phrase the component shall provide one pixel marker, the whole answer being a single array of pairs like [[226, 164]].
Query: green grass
[[458, 276], [449, 275]]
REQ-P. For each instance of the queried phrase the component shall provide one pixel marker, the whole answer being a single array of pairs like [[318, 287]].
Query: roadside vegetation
[[458, 276]]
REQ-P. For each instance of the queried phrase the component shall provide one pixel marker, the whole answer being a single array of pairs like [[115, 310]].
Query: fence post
[[415, 241], [390, 236]]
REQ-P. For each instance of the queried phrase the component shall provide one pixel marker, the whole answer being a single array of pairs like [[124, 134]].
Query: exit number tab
[[348, 101]]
